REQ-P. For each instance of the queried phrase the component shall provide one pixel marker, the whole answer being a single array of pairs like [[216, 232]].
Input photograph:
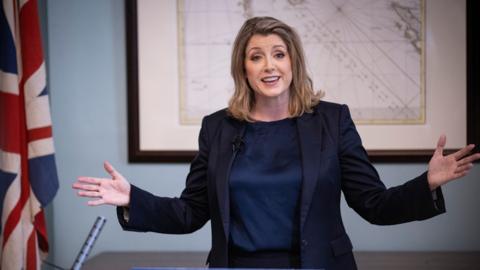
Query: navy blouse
[[265, 183]]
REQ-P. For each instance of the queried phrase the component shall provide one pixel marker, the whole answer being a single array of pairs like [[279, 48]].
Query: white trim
[[40, 148], [9, 83]]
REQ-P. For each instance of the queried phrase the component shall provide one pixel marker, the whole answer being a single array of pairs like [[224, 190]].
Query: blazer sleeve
[[368, 196], [185, 214]]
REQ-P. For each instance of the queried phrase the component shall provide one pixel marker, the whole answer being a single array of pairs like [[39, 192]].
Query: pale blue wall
[[86, 65]]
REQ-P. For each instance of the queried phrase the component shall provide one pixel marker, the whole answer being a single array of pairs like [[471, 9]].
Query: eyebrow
[[274, 47]]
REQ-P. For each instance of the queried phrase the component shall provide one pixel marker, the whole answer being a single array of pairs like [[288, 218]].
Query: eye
[[255, 57], [279, 55]]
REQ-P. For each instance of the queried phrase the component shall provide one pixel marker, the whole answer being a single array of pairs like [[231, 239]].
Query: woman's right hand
[[114, 191]]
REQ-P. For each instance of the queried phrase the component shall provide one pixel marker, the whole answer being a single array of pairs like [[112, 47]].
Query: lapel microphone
[[237, 144]]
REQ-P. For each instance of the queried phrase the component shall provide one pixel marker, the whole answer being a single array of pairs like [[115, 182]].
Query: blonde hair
[[302, 96]]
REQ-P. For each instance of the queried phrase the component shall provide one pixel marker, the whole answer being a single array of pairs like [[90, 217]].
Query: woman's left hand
[[442, 169]]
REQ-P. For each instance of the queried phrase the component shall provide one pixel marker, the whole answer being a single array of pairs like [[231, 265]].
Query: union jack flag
[[28, 176]]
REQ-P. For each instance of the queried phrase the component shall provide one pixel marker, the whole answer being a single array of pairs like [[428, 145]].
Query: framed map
[[395, 63], [367, 54]]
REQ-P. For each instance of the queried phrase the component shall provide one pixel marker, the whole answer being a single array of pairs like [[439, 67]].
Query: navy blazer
[[333, 160]]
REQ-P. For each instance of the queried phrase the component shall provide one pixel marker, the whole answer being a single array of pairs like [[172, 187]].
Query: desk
[[365, 260]]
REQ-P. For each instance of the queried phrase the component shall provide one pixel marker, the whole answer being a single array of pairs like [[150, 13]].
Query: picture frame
[[176, 154]]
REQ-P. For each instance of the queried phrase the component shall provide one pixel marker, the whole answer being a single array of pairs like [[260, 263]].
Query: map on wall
[[363, 53]]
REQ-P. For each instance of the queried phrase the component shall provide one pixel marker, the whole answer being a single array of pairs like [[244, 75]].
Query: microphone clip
[[237, 144]]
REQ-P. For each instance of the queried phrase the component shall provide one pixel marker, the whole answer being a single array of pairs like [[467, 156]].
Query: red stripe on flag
[[31, 263], [40, 226], [39, 133], [32, 54], [9, 122]]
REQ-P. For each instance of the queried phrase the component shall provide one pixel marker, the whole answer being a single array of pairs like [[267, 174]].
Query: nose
[[269, 65]]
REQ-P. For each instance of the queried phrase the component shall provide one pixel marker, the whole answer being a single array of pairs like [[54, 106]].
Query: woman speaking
[[271, 168]]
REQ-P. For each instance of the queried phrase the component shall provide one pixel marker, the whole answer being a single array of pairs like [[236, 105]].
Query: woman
[[270, 169]]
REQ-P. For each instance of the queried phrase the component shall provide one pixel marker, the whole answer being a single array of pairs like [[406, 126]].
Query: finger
[[440, 145], [90, 194], [96, 202], [464, 151], [85, 187], [111, 170], [462, 174], [457, 176], [474, 157], [77, 185], [463, 168], [469, 159], [90, 180]]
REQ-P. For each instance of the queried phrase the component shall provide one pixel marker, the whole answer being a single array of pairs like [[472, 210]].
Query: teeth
[[270, 79]]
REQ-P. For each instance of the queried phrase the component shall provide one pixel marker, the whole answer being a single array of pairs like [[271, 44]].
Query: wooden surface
[[365, 260]]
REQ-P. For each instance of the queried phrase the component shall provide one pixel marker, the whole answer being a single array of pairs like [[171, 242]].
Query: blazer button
[[304, 243]]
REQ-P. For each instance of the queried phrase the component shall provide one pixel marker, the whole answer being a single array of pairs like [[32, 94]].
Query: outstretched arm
[[147, 212], [410, 201]]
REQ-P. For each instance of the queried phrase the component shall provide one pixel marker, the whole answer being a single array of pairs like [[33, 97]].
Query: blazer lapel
[[232, 129], [310, 137]]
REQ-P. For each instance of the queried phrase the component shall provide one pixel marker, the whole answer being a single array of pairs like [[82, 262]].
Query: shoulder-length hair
[[302, 96]]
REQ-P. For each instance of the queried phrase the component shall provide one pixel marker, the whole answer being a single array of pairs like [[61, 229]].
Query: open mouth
[[270, 79]]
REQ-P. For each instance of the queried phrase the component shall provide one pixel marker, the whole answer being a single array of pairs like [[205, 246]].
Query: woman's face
[[268, 67]]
